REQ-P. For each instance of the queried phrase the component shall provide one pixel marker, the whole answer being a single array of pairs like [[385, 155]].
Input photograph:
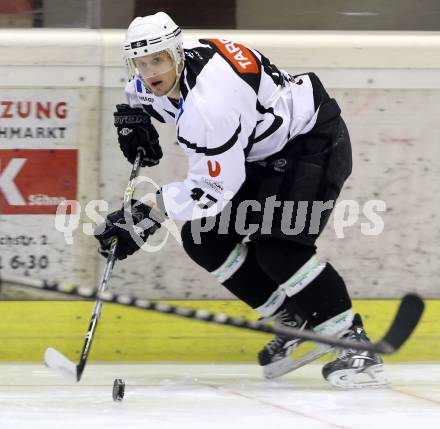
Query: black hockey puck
[[118, 390]]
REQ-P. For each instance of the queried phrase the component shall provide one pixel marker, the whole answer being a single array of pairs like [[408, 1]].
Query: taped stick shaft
[[105, 278]]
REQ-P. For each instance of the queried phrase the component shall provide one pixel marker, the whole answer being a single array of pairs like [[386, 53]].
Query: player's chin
[[159, 93], [159, 90]]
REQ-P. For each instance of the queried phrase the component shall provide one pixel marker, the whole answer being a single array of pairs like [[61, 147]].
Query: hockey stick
[[55, 360], [405, 321]]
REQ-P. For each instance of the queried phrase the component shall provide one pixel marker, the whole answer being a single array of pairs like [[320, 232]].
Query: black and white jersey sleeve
[[215, 171]]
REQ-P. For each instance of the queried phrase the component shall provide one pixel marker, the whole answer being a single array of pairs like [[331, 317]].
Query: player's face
[[158, 72]]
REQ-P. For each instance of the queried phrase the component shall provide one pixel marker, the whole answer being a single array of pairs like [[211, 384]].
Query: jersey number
[[208, 200]]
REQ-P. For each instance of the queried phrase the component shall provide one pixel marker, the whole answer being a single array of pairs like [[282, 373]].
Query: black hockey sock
[[250, 283], [325, 297]]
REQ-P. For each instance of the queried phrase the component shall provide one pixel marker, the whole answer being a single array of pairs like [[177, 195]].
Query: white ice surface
[[214, 396]]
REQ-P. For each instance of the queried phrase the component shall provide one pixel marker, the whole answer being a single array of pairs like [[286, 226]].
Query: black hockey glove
[[136, 130], [131, 225]]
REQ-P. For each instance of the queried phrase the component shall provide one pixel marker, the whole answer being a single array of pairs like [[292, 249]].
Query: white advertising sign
[[38, 169]]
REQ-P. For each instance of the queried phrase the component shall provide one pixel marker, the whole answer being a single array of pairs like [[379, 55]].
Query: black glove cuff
[[153, 214]]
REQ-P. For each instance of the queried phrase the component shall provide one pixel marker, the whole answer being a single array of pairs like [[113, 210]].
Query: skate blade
[[371, 377], [287, 364]]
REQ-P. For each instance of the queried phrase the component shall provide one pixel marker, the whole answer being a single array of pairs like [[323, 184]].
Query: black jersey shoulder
[[195, 61], [272, 70], [328, 107]]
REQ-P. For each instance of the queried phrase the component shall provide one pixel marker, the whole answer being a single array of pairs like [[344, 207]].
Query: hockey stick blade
[[408, 316], [59, 364]]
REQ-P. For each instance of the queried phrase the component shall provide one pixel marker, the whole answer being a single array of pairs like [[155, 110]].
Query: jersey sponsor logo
[[145, 98], [213, 184], [214, 171], [238, 55]]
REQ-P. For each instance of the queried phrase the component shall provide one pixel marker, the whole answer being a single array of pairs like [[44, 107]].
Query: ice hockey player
[[264, 149]]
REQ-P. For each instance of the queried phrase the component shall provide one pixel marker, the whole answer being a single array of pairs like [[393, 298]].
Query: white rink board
[[32, 247], [41, 118], [387, 85], [47, 155], [38, 127], [396, 156]]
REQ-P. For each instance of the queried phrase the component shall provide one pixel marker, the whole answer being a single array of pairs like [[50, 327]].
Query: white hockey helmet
[[149, 34]]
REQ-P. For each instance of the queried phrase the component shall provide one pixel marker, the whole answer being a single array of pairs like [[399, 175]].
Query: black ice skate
[[277, 355], [354, 369]]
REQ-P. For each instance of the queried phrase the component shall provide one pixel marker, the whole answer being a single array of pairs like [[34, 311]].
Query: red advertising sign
[[35, 181]]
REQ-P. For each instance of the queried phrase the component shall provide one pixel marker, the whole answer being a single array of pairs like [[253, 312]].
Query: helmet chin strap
[[176, 82]]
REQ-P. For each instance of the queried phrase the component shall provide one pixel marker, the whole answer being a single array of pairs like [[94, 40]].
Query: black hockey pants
[[311, 168]]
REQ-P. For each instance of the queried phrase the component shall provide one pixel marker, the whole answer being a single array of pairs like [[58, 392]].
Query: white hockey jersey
[[235, 107]]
